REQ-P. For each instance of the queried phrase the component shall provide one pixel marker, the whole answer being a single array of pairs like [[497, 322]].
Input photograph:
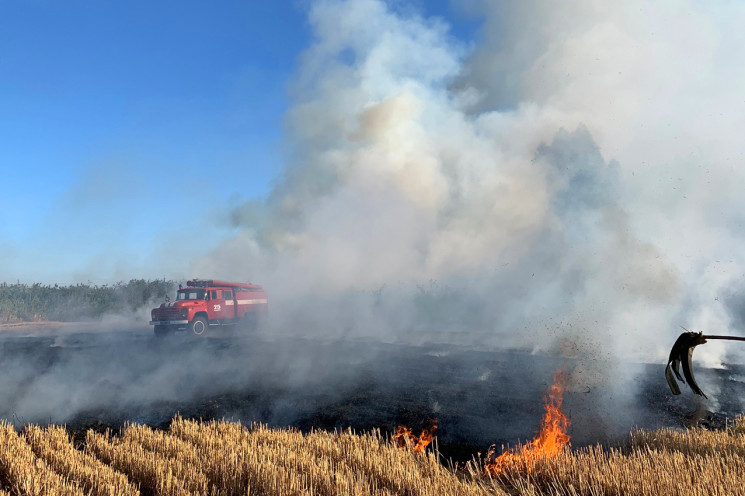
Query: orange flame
[[549, 442], [403, 437]]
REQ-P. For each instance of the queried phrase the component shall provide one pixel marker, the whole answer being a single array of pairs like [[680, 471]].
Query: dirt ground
[[40, 328], [32, 326]]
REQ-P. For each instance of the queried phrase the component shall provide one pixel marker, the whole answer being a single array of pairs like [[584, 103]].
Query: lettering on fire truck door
[[217, 305]]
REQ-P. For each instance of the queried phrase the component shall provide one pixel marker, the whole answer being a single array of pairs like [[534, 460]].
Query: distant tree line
[[38, 302]]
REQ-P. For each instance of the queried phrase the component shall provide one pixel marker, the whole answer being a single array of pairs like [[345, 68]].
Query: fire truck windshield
[[190, 294]]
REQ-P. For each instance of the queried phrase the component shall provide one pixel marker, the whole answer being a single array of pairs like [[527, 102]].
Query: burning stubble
[[550, 441]]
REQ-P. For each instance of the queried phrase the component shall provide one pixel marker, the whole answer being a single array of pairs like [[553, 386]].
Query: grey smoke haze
[[568, 177]]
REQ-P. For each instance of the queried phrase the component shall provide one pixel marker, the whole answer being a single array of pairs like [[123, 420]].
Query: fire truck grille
[[170, 313]]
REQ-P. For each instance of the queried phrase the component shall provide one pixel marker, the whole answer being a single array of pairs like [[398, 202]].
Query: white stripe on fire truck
[[249, 302]]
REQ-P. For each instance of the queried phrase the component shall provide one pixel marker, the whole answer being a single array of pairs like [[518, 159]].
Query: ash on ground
[[479, 398]]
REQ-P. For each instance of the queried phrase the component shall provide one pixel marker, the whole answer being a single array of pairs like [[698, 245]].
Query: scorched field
[[117, 394]]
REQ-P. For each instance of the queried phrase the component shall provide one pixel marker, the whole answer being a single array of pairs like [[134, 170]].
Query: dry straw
[[53, 445], [223, 458], [284, 461], [26, 474]]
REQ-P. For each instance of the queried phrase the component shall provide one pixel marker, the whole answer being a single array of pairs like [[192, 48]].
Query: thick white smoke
[[574, 178]]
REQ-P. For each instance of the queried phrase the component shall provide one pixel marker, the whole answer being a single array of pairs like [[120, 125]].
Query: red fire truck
[[206, 303]]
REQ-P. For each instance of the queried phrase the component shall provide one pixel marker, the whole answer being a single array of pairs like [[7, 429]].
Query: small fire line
[[549, 442], [404, 437]]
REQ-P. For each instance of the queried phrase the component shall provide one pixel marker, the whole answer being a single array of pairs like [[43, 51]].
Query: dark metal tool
[[681, 354]]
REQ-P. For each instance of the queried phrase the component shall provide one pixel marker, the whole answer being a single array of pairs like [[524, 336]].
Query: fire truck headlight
[[184, 313]]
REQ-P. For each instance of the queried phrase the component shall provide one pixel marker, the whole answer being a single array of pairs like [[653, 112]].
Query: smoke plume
[[567, 181]]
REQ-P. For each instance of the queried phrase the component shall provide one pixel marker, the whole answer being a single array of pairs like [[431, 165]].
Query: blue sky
[[123, 124]]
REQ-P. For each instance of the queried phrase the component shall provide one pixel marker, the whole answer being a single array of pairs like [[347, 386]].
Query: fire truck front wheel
[[198, 326]]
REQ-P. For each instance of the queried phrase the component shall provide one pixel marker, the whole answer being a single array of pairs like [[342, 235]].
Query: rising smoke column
[[558, 182]]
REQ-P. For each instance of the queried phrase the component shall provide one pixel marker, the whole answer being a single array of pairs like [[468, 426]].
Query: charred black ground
[[104, 380]]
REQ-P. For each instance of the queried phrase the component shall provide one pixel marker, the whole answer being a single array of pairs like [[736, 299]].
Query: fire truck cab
[[203, 304]]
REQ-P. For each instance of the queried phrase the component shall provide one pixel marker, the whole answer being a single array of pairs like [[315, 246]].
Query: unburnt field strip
[[224, 458]]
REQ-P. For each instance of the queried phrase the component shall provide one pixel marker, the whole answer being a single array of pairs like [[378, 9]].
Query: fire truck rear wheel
[[198, 326]]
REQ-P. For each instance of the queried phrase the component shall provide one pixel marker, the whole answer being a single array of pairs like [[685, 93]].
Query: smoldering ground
[[105, 379]]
